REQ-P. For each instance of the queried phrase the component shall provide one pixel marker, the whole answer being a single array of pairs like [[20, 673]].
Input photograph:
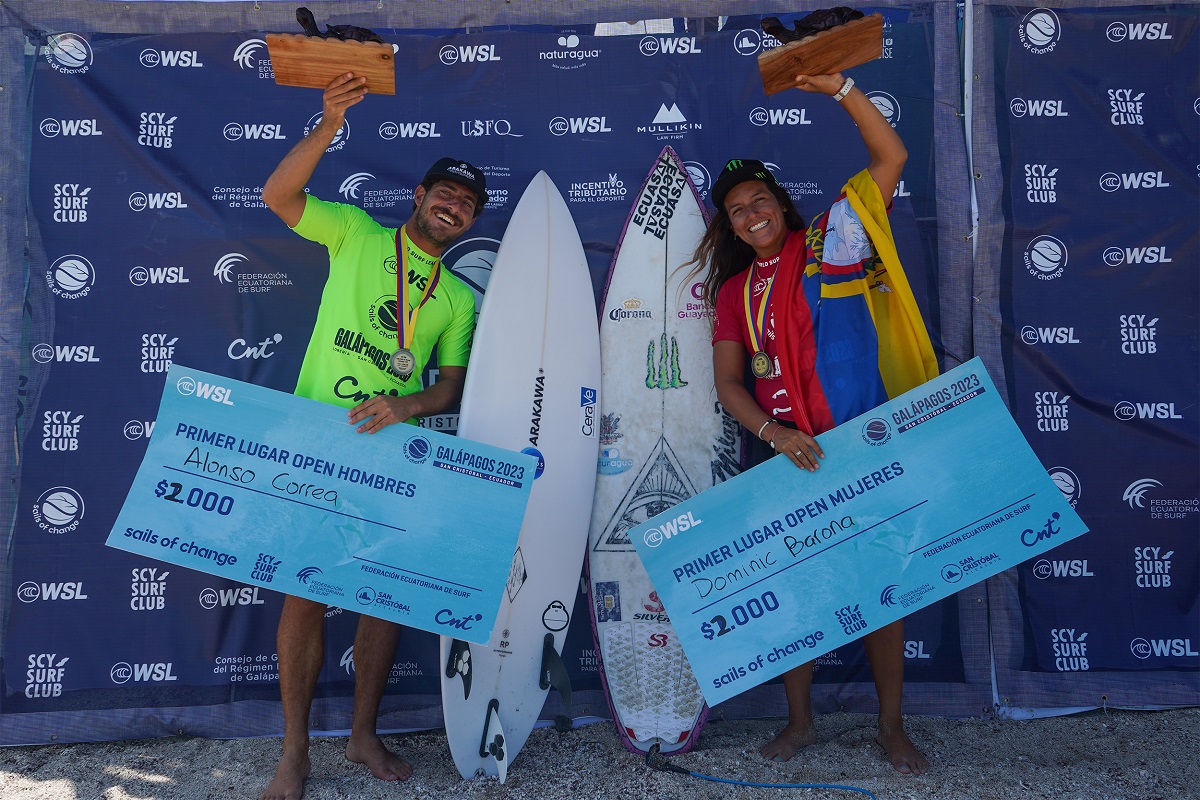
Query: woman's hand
[[820, 84], [798, 446]]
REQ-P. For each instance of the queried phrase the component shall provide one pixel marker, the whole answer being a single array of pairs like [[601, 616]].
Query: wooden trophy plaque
[[313, 62], [833, 50]]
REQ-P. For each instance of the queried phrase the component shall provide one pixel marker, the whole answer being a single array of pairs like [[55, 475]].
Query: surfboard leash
[[656, 761]]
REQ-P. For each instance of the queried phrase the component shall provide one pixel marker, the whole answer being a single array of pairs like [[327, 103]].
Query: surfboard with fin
[[664, 438], [533, 386]]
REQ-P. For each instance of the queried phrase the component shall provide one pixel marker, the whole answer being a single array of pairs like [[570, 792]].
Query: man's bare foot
[[288, 783], [788, 742], [383, 763], [904, 755]]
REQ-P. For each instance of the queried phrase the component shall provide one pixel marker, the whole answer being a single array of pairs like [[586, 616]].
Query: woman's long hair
[[724, 254]]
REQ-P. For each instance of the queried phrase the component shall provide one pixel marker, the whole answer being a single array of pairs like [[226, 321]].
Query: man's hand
[[341, 93], [381, 411]]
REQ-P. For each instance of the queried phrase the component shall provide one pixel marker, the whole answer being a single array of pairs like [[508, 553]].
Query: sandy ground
[[1115, 755]]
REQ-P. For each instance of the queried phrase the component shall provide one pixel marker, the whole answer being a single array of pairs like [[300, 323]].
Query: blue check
[[923, 496], [279, 491]]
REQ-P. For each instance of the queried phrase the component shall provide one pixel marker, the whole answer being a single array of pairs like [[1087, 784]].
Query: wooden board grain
[[845, 46], [312, 63]]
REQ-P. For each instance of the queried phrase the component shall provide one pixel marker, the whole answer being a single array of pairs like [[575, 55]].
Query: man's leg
[[374, 651], [799, 732], [885, 651], [300, 642]]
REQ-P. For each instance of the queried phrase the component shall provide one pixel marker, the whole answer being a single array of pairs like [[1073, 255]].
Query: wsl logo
[[1045, 257], [339, 139], [170, 58], [235, 131], [887, 105], [138, 429], [122, 672], [1116, 256], [1020, 107], [140, 276], [467, 54], [673, 527], [31, 592], [82, 353], [1044, 568], [1137, 31], [1162, 648], [560, 126], [141, 201], [408, 130], [71, 277], [1032, 336], [350, 186], [58, 510], [51, 128], [1111, 181], [189, 386], [1067, 483], [68, 53], [1040, 31], [683, 45], [779, 116], [1126, 411]]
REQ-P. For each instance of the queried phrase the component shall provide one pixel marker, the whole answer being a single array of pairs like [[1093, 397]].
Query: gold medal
[[403, 363], [760, 365]]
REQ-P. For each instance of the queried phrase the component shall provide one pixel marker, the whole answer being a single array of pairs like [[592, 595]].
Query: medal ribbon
[[408, 320], [758, 327]]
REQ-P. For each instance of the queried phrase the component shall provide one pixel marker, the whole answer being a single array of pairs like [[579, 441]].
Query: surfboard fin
[[554, 673], [459, 663], [492, 744]]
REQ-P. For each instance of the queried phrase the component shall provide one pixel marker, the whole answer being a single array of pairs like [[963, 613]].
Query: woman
[[828, 323]]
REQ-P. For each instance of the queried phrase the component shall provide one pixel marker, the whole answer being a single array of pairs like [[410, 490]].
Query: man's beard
[[426, 229]]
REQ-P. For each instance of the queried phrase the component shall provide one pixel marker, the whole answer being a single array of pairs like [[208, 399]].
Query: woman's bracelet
[[763, 427], [771, 441], [845, 90]]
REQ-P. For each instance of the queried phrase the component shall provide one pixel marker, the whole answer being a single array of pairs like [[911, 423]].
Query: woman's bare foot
[[904, 755], [789, 741], [383, 763]]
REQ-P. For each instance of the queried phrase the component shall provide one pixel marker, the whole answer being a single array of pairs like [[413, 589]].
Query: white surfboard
[[533, 385], [663, 439]]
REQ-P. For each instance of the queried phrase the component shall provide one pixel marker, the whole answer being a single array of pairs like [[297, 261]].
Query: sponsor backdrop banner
[[148, 156], [1100, 346]]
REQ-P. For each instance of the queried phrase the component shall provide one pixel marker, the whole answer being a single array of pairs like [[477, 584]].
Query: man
[[367, 352]]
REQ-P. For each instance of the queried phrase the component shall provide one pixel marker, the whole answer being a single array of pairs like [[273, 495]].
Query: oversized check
[[915, 500], [279, 491]]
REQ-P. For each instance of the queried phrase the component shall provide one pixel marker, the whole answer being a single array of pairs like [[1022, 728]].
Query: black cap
[[739, 171], [453, 169]]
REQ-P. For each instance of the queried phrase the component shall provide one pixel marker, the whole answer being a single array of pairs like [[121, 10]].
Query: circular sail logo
[[1045, 257], [1040, 31]]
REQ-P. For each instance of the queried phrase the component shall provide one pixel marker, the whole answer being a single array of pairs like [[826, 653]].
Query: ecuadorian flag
[[850, 333]]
